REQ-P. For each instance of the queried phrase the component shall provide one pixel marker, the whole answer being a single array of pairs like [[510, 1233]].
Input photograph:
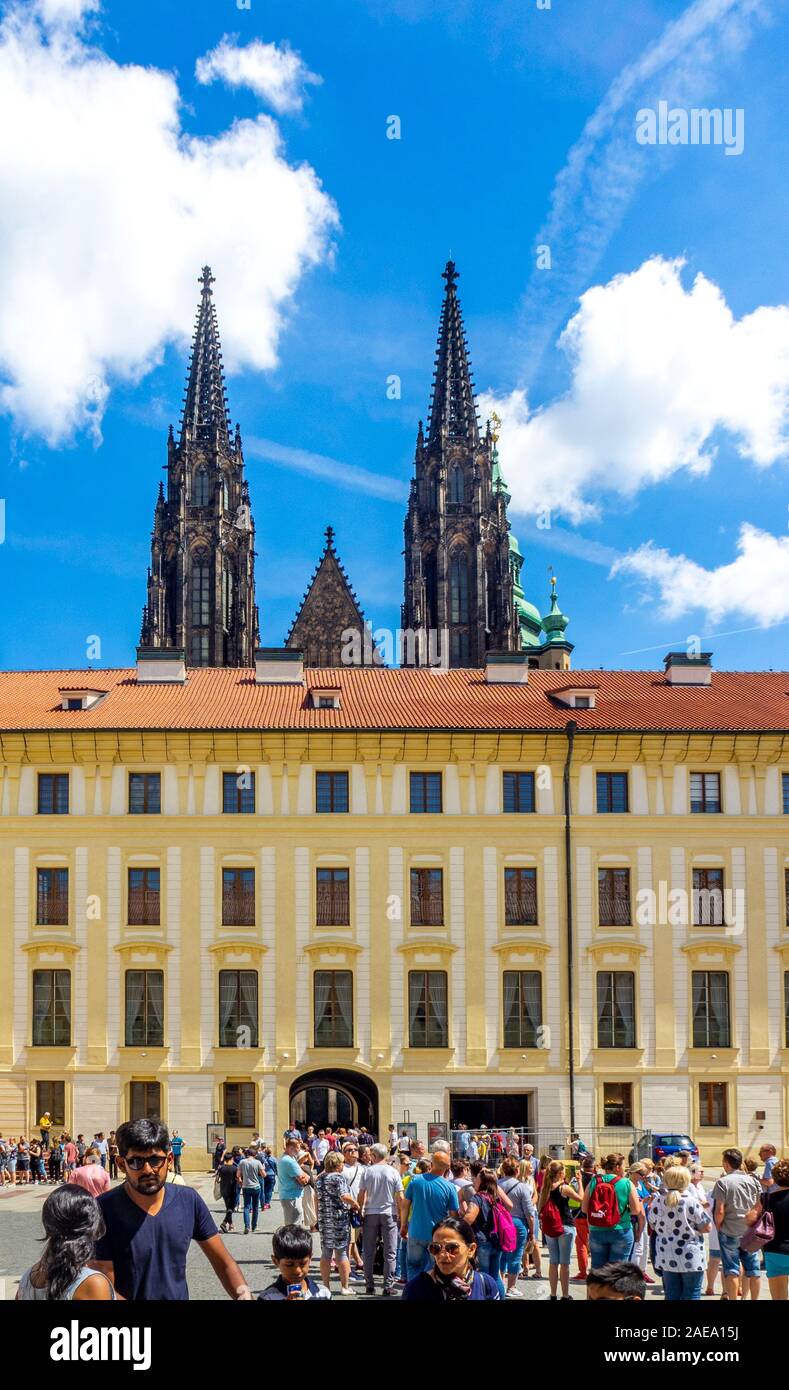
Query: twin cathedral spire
[[201, 583], [463, 566]]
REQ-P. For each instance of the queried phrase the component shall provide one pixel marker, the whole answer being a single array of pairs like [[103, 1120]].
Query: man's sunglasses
[[451, 1246], [154, 1161]]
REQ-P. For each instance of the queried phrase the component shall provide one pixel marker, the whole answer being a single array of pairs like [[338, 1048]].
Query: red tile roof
[[383, 699]]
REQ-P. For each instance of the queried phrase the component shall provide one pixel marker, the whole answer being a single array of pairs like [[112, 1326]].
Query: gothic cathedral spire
[[201, 584], [458, 566]]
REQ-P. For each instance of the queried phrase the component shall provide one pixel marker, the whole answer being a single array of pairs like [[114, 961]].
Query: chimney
[[506, 668], [684, 668], [161, 665], [279, 666]]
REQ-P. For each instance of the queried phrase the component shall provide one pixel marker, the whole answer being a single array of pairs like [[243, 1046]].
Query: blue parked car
[[663, 1145]]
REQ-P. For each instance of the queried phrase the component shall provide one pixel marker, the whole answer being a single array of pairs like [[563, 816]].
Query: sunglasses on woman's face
[[450, 1246], [154, 1161]]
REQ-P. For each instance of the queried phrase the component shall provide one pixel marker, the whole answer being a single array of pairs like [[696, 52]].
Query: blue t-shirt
[[288, 1171], [177, 1145], [432, 1198], [148, 1253]]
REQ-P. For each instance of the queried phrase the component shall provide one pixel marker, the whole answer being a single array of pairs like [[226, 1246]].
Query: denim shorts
[[732, 1256], [340, 1252], [560, 1248]]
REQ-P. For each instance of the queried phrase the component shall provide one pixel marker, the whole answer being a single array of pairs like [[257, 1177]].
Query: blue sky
[[665, 429]]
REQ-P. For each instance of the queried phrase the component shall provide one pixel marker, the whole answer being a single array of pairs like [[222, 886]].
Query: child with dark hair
[[291, 1251], [73, 1223], [618, 1280]]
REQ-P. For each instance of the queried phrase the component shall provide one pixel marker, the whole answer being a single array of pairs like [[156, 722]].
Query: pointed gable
[[329, 609]]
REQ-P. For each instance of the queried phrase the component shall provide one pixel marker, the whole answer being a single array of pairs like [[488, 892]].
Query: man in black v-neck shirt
[[150, 1224]]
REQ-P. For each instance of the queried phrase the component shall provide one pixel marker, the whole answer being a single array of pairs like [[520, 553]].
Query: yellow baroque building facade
[[227, 895]]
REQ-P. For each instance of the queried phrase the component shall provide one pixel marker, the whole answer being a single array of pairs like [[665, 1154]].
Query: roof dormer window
[[325, 698], [576, 696], [72, 698]]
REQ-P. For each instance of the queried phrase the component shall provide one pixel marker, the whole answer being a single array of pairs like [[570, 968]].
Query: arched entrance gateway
[[335, 1098]]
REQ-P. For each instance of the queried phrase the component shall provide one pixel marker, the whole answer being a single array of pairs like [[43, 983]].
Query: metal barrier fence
[[492, 1143]]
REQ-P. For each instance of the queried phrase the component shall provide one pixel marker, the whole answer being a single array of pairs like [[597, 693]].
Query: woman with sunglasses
[[453, 1276]]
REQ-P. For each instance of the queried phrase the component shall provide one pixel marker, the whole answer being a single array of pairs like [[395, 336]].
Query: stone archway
[[335, 1097]]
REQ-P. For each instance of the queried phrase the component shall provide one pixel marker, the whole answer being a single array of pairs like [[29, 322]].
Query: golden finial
[[495, 420]]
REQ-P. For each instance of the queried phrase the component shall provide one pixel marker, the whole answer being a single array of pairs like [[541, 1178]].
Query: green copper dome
[[555, 621]]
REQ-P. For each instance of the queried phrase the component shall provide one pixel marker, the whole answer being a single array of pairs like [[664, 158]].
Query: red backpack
[[603, 1205], [551, 1220]]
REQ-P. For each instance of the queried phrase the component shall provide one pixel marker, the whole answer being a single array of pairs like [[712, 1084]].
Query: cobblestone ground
[[20, 1234]]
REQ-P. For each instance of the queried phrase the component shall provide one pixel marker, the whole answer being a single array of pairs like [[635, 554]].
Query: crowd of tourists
[[429, 1226], [59, 1158]]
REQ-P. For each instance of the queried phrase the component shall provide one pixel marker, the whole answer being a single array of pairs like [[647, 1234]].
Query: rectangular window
[[145, 1099], [52, 897], [711, 1014], [518, 791], [713, 1105], [785, 789], [427, 897], [51, 1008], [238, 897], [786, 894], [786, 1008], [331, 792], [145, 1008], [199, 648], [708, 897], [428, 1024], [613, 897], [51, 1096], [332, 898], [239, 1104], [425, 793], [238, 1008], [520, 897], [145, 793], [333, 1006], [238, 793], [616, 1008], [705, 793], [612, 792], [144, 898], [617, 1104], [53, 793], [522, 1008]]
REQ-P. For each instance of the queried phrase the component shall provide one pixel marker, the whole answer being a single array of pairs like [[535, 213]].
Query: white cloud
[[756, 583], [66, 13], [108, 209], [278, 75], [606, 166], [656, 370], [346, 475]]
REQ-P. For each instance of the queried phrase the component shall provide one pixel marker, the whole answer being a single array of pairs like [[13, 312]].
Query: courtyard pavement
[[21, 1231]]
